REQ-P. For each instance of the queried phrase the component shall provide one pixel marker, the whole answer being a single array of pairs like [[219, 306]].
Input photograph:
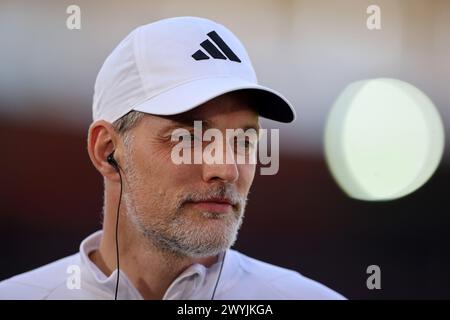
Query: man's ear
[[102, 141]]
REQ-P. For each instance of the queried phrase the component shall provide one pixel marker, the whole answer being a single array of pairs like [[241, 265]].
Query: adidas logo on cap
[[214, 51]]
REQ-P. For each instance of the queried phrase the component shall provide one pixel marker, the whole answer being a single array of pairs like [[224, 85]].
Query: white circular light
[[384, 139]]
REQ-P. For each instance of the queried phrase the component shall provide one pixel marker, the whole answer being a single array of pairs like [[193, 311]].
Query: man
[[168, 227]]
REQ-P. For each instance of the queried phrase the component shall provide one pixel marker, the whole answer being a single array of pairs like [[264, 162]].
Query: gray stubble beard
[[180, 236]]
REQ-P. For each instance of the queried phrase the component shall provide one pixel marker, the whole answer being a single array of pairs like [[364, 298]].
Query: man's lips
[[219, 205]]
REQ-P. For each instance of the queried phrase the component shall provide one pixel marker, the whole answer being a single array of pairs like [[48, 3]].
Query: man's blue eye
[[247, 144]]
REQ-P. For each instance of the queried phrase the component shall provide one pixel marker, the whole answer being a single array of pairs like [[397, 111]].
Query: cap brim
[[187, 96]]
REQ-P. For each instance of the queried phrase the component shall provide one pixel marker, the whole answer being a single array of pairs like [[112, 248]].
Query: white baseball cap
[[174, 65]]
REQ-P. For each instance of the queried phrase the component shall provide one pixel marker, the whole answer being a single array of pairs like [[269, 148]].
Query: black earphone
[[115, 165], [110, 159]]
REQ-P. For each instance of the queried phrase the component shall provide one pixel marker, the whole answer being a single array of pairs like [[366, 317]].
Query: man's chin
[[212, 237], [208, 247]]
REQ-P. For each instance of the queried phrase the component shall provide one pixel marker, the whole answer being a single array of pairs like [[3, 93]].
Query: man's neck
[[150, 270]]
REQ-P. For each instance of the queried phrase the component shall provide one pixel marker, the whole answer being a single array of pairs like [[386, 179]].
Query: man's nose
[[226, 171]]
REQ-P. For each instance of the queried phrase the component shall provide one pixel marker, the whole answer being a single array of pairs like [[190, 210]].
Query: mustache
[[224, 191]]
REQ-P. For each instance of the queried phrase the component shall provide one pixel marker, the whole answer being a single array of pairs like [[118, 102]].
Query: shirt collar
[[196, 282]]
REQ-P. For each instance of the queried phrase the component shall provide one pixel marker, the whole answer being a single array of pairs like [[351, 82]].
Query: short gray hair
[[127, 122]]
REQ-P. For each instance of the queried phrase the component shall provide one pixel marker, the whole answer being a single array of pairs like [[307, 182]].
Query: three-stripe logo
[[214, 51]]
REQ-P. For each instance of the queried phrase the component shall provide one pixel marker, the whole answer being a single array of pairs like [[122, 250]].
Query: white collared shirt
[[242, 278]]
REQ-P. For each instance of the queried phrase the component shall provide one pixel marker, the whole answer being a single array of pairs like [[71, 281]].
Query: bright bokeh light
[[384, 139]]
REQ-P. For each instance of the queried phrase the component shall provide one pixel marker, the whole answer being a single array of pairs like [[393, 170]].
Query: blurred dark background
[[51, 195]]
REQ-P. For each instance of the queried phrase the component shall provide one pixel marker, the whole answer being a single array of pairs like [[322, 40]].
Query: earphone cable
[[117, 236], [220, 273]]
